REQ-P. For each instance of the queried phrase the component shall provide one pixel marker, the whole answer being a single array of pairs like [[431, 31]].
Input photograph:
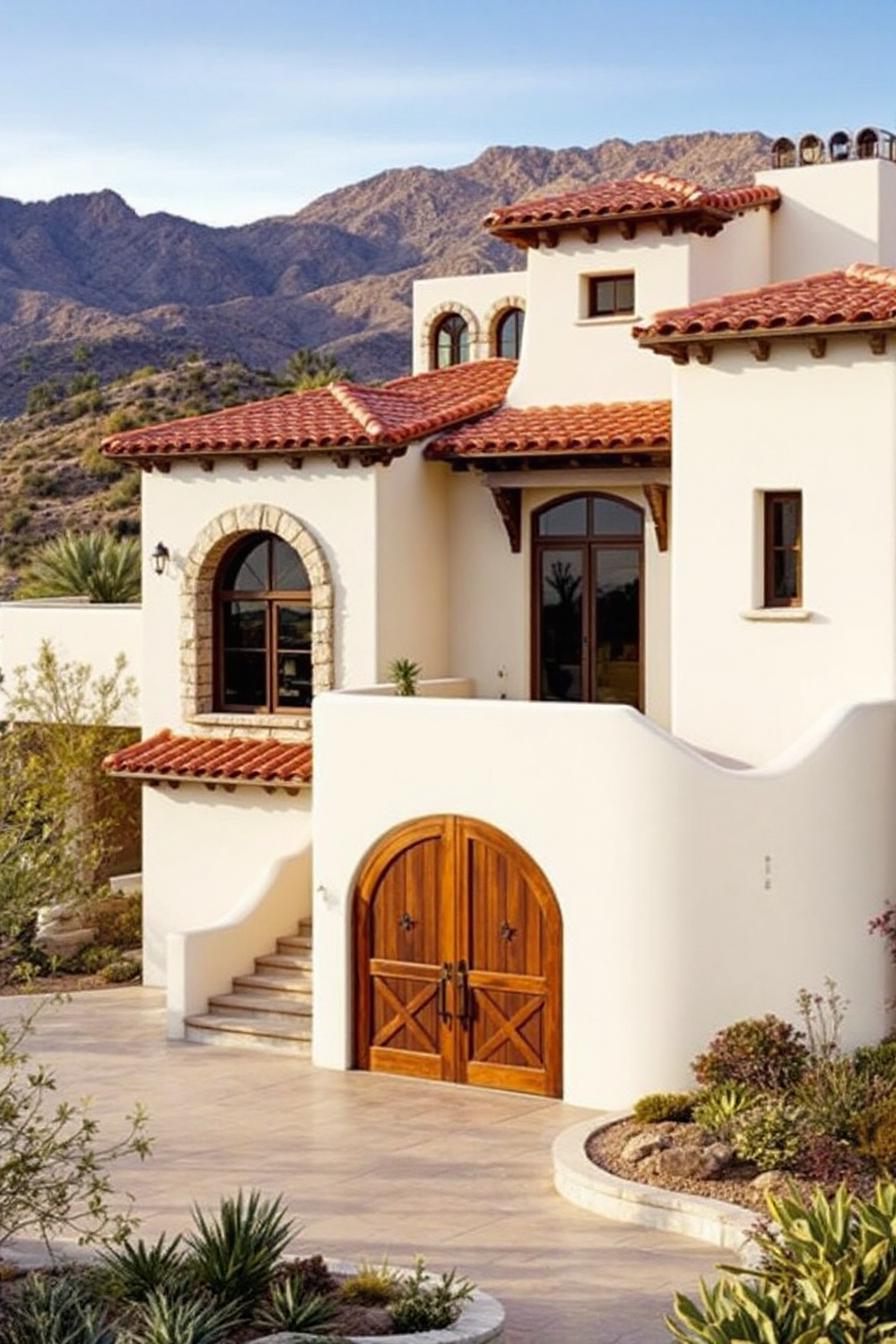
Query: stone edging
[[581, 1182]]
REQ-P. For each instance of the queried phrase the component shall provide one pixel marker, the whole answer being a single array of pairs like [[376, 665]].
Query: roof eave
[[675, 344], [155, 777], [692, 218]]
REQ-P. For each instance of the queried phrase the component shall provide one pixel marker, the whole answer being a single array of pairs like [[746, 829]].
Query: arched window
[[262, 628], [783, 153], [839, 147], [588, 561], [509, 333], [811, 149], [450, 341]]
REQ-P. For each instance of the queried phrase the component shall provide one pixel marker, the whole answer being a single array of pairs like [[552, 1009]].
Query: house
[[634, 515]]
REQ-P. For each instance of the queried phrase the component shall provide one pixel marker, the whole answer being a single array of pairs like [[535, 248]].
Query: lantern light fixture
[[160, 557]]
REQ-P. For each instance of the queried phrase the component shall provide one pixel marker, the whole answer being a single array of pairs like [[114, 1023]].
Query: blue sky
[[228, 111]]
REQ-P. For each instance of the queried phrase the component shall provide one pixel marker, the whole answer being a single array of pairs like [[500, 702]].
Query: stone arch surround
[[197, 617], [490, 321], [477, 349]]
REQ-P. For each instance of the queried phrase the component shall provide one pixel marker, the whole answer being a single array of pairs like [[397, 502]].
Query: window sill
[[628, 318], [282, 721], [777, 614]]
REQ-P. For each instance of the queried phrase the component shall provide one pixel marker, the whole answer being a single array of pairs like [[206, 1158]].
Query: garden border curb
[[590, 1187]]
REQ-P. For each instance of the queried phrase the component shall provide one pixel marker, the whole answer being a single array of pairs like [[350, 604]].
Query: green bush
[[877, 1060], [134, 1271], [834, 1094], [658, 1106], [876, 1132], [121, 971], [827, 1277], [117, 921], [717, 1110], [428, 1304], [764, 1053], [53, 1310], [770, 1134], [234, 1254], [95, 565]]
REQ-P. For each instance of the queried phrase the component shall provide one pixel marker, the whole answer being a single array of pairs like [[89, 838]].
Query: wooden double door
[[458, 959]]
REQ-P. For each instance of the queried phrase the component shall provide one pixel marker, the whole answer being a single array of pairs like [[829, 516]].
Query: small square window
[[783, 548], [611, 295]]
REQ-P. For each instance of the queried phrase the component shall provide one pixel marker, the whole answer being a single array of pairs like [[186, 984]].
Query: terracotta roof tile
[[858, 295], [342, 415], [555, 430], [644, 195], [214, 759]]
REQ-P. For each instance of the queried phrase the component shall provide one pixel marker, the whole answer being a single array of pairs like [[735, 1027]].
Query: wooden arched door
[[458, 952]]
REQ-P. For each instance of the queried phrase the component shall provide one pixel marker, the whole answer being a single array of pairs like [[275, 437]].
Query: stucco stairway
[[268, 1010]]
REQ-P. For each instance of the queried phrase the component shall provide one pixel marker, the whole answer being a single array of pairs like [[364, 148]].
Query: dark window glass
[[613, 518], [263, 642], [617, 622], [611, 294], [561, 624], [509, 334], [451, 341], [569, 518], [783, 548]]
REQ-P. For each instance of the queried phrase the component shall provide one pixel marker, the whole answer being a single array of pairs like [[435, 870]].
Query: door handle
[[463, 990], [444, 981]]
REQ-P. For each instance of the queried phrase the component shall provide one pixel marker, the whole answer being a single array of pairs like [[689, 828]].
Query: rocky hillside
[[52, 475], [87, 271]]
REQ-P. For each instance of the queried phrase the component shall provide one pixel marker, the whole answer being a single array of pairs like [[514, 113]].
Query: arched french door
[[587, 588], [458, 951]]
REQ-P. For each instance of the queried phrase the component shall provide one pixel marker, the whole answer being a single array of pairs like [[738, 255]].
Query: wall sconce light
[[160, 557]]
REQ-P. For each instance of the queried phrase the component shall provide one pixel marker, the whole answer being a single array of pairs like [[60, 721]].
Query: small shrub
[[53, 1311], [314, 1276], [372, 1285], [91, 959], [834, 1094], [166, 1318], [877, 1061], [876, 1132], [717, 1111], [117, 921], [428, 1304], [119, 972], [764, 1053], [134, 1271], [829, 1162], [291, 1308], [658, 1106], [234, 1255], [770, 1134]]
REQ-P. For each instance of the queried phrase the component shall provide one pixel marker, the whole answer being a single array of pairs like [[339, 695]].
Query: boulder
[[645, 1144], [771, 1181], [694, 1162]]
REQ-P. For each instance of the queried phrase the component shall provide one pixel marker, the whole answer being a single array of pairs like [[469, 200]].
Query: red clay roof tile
[[647, 194], [858, 295], [340, 416], [214, 759], [556, 430]]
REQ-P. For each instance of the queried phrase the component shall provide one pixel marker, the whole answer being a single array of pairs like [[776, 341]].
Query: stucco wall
[[691, 895], [80, 632], [207, 855], [827, 427]]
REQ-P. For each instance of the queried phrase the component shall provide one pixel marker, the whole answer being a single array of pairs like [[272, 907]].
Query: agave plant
[[173, 1319], [404, 675], [719, 1109], [134, 1270], [291, 1308], [97, 565], [53, 1310], [234, 1254]]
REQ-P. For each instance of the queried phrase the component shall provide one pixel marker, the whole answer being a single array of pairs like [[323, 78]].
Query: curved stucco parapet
[[197, 589], [692, 893]]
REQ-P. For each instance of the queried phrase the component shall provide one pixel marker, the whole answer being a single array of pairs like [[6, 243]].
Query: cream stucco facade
[[707, 856]]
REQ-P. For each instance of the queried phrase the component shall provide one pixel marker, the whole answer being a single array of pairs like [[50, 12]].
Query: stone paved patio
[[370, 1165]]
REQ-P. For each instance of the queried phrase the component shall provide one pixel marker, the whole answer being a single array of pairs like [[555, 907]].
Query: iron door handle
[[444, 980], [463, 989]]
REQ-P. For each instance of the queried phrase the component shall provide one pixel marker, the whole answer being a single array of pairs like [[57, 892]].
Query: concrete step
[[276, 982], [244, 1033], [295, 943], [305, 925], [285, 961], [263, 1007]]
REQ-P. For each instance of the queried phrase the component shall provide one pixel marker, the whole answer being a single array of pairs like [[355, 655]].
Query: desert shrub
[[826, 1277], [717, 1110], [879, 1061], [135, 1270], [234, 1255], [770, 1134], [119, 972], [658, 1106], [291, 1308], [876, 1131], [99, 466], [428, 1304], [834, 1094], [314, 1276], [125, 491], [91, 959], [117, 921], [53, 1310], [764, 1053], [172, 1318], [95, 565], [827, 1162], [53, 1166], [371, 1285]]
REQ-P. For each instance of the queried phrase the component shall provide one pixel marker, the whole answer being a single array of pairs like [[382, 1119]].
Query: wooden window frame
[[614, 277], [770, 499], [273, 599], [587, 541], [455, 338], [506, 314]]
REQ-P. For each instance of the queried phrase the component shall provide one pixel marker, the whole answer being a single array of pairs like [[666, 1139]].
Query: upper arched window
[[509, 333], [450, 341], [263, 627]]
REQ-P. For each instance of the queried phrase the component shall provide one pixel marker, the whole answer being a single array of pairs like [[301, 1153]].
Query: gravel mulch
[[63, 984]]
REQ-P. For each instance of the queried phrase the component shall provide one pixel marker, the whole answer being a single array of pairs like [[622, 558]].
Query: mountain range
[[87, 272]]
